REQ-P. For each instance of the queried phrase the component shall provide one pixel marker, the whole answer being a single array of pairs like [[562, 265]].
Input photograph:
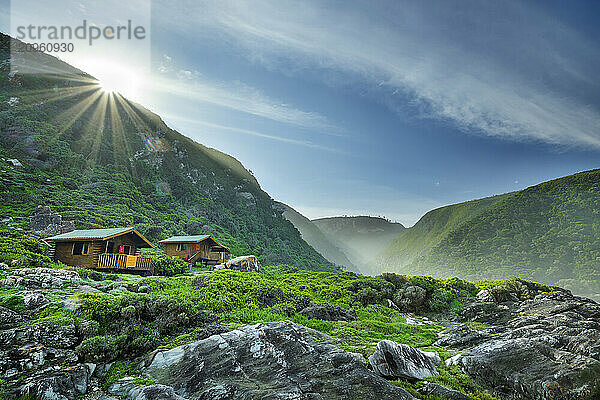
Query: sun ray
[[68, 117], [120, 142], [138, 122], [97, 123]]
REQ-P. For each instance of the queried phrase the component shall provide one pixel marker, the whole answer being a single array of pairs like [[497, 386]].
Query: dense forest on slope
[[549, 232], [102, 161], [317, 239], [361, 238], [429, 231]]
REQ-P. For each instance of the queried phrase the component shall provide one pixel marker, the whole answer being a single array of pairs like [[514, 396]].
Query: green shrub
[[97, 349], [13, 301], [141, 381], [26, 250], [165, 265], [118, 370]]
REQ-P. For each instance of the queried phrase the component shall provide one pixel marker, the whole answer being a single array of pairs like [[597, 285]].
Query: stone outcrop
[[40, 278], [328, 312], [270, 360], [461, 337], [45, 222], [393, 360], [435, 389], [411, 298], [545, 348]]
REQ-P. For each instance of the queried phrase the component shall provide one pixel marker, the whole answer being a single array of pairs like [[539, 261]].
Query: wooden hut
[[202, 248], [113, 249]]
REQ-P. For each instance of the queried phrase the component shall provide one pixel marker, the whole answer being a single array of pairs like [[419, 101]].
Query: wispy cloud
[[236, 96], [232, 129], [503, 70]]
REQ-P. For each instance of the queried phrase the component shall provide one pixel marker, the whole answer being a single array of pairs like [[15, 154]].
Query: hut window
[[81, 248], [182, 247], [110, 247], [126, 249]]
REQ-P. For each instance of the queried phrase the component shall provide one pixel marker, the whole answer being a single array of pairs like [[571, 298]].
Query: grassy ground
[[131, 315]]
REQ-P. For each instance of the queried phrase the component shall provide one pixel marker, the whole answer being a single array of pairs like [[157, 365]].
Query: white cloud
[[177, 119], [505, 71], [236, 96]]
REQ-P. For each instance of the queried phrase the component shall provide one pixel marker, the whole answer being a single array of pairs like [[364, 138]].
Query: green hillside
[[428, 232], [549, 232], [317, 239], [361, 238], [100, 160]]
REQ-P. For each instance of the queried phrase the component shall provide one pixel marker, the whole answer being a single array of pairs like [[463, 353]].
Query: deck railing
[[124, 261]]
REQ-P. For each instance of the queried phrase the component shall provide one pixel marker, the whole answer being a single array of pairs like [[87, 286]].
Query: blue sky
[[383, 108]]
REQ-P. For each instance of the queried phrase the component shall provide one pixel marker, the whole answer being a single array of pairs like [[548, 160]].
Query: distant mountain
[[428, 232], [361, 238], [548, 232], [102, 161], [317, 239]]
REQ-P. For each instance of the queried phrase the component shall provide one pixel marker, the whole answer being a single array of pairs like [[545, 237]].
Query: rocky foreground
[[544, 346], [547, 347]]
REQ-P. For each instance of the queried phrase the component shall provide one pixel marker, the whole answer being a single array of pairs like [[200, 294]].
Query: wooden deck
[[125, 262]]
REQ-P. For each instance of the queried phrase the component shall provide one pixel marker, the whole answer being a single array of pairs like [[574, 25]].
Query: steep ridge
[[317, 239], [102, 160], [548, 232], [429, 231], [361, 237]]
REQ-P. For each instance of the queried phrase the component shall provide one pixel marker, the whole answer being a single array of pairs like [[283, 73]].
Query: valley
[[473, 302]]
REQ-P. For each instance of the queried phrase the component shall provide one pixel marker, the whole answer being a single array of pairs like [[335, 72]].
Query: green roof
[[95, 234], [185, 239], [191, 239]]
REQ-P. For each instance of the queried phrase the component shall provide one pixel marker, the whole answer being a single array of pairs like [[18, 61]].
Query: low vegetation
[[130, 315], [548, 232]]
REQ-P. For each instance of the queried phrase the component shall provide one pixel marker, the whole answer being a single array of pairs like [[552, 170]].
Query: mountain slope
[[102, 160], [361, 238], [317, 239], [549, 232], [429, 231]]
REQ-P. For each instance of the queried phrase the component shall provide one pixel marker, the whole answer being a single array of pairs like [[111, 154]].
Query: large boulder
[[242, 263], [273, 360], [411, 298], [393, 360], [461, 337], [41, 278], [485, 312], [9, 318], [529, 368], [34, 300], [544, 347], [435, 389], [35, 347], [64, 384], [328, 312]]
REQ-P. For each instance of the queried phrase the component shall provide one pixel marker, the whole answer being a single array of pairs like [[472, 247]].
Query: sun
[[116, 78], [119, 80]]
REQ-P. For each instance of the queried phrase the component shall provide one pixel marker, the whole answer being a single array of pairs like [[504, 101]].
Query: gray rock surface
[[40, 278], [9, 318], [461, 337], [34, 347], [411, 298], [435, 389], [34, 300], [329, 312], [546, 347], [393, 360], [276, 360], [62, 384], [486, 296]]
